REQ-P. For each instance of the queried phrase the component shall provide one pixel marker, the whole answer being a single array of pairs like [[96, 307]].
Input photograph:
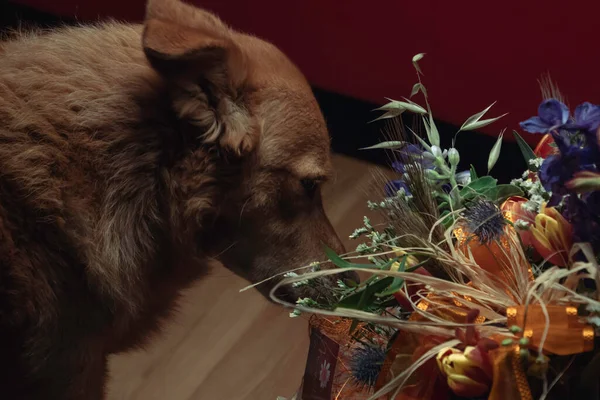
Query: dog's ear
[[205, 70]]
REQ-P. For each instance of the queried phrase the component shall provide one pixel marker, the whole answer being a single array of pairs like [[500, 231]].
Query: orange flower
[[552, 236], [544, 147], [492, 257], [513, 211]]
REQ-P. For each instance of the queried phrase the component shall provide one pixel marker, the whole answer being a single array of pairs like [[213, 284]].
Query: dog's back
[[73, 108]]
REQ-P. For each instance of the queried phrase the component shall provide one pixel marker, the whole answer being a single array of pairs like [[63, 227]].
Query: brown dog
[[130, 156]]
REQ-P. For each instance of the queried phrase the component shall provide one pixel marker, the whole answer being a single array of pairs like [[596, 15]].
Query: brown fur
[[130, 157]]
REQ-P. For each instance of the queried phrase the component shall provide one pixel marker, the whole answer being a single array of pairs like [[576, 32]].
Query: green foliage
[[528, 154]]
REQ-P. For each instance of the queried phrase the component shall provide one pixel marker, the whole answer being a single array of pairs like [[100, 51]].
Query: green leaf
[[476, 117], [418, 87], [393, 288], [423, 143], [473, 173], [388, 115], [479, 185], [448, 221], [359, 300], [402, 105], [341, 263], [495, 152], [415, 60], [418, 57], [502, 192], [481, 123], [527, 152], [398, 282], [392, 144], [473, 122], [432, 132]]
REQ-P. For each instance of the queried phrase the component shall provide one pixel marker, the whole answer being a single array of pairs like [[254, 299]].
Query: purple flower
[[410, 153], [584, 214], [558, 169], [552, 114], [393, 187]]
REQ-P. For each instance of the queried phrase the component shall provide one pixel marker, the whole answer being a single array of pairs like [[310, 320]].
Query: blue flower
[[587, 117], [552, 114]]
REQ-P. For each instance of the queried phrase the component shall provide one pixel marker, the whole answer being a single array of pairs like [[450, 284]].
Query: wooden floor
[[226, 345]]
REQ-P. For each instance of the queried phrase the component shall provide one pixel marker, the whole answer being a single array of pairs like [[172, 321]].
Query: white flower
[[536, 162], [324, 374], [522, 224]]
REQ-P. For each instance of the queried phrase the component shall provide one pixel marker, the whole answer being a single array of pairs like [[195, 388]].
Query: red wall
[[477, 51]]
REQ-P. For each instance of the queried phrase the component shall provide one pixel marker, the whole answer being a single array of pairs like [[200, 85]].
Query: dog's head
[[247, 100]]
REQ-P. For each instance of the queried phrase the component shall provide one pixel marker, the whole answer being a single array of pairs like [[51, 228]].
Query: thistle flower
[[366, 364], [484, 220]]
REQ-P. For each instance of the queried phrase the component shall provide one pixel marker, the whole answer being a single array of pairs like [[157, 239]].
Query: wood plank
[[226, 345]]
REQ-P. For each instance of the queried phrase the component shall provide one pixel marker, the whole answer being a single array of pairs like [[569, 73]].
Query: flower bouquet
[[477, 289]]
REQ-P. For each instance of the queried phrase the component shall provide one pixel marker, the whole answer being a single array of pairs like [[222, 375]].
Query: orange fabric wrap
[[566, 333]]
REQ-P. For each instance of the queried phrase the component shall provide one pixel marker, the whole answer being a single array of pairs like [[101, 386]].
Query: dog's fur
[[130, 157]]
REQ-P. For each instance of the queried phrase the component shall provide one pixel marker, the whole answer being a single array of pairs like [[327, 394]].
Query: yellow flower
[[468, 373], [411, 261], [552, 236]]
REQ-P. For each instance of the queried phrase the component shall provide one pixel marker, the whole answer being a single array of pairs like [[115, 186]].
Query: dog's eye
[[310, 186]]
